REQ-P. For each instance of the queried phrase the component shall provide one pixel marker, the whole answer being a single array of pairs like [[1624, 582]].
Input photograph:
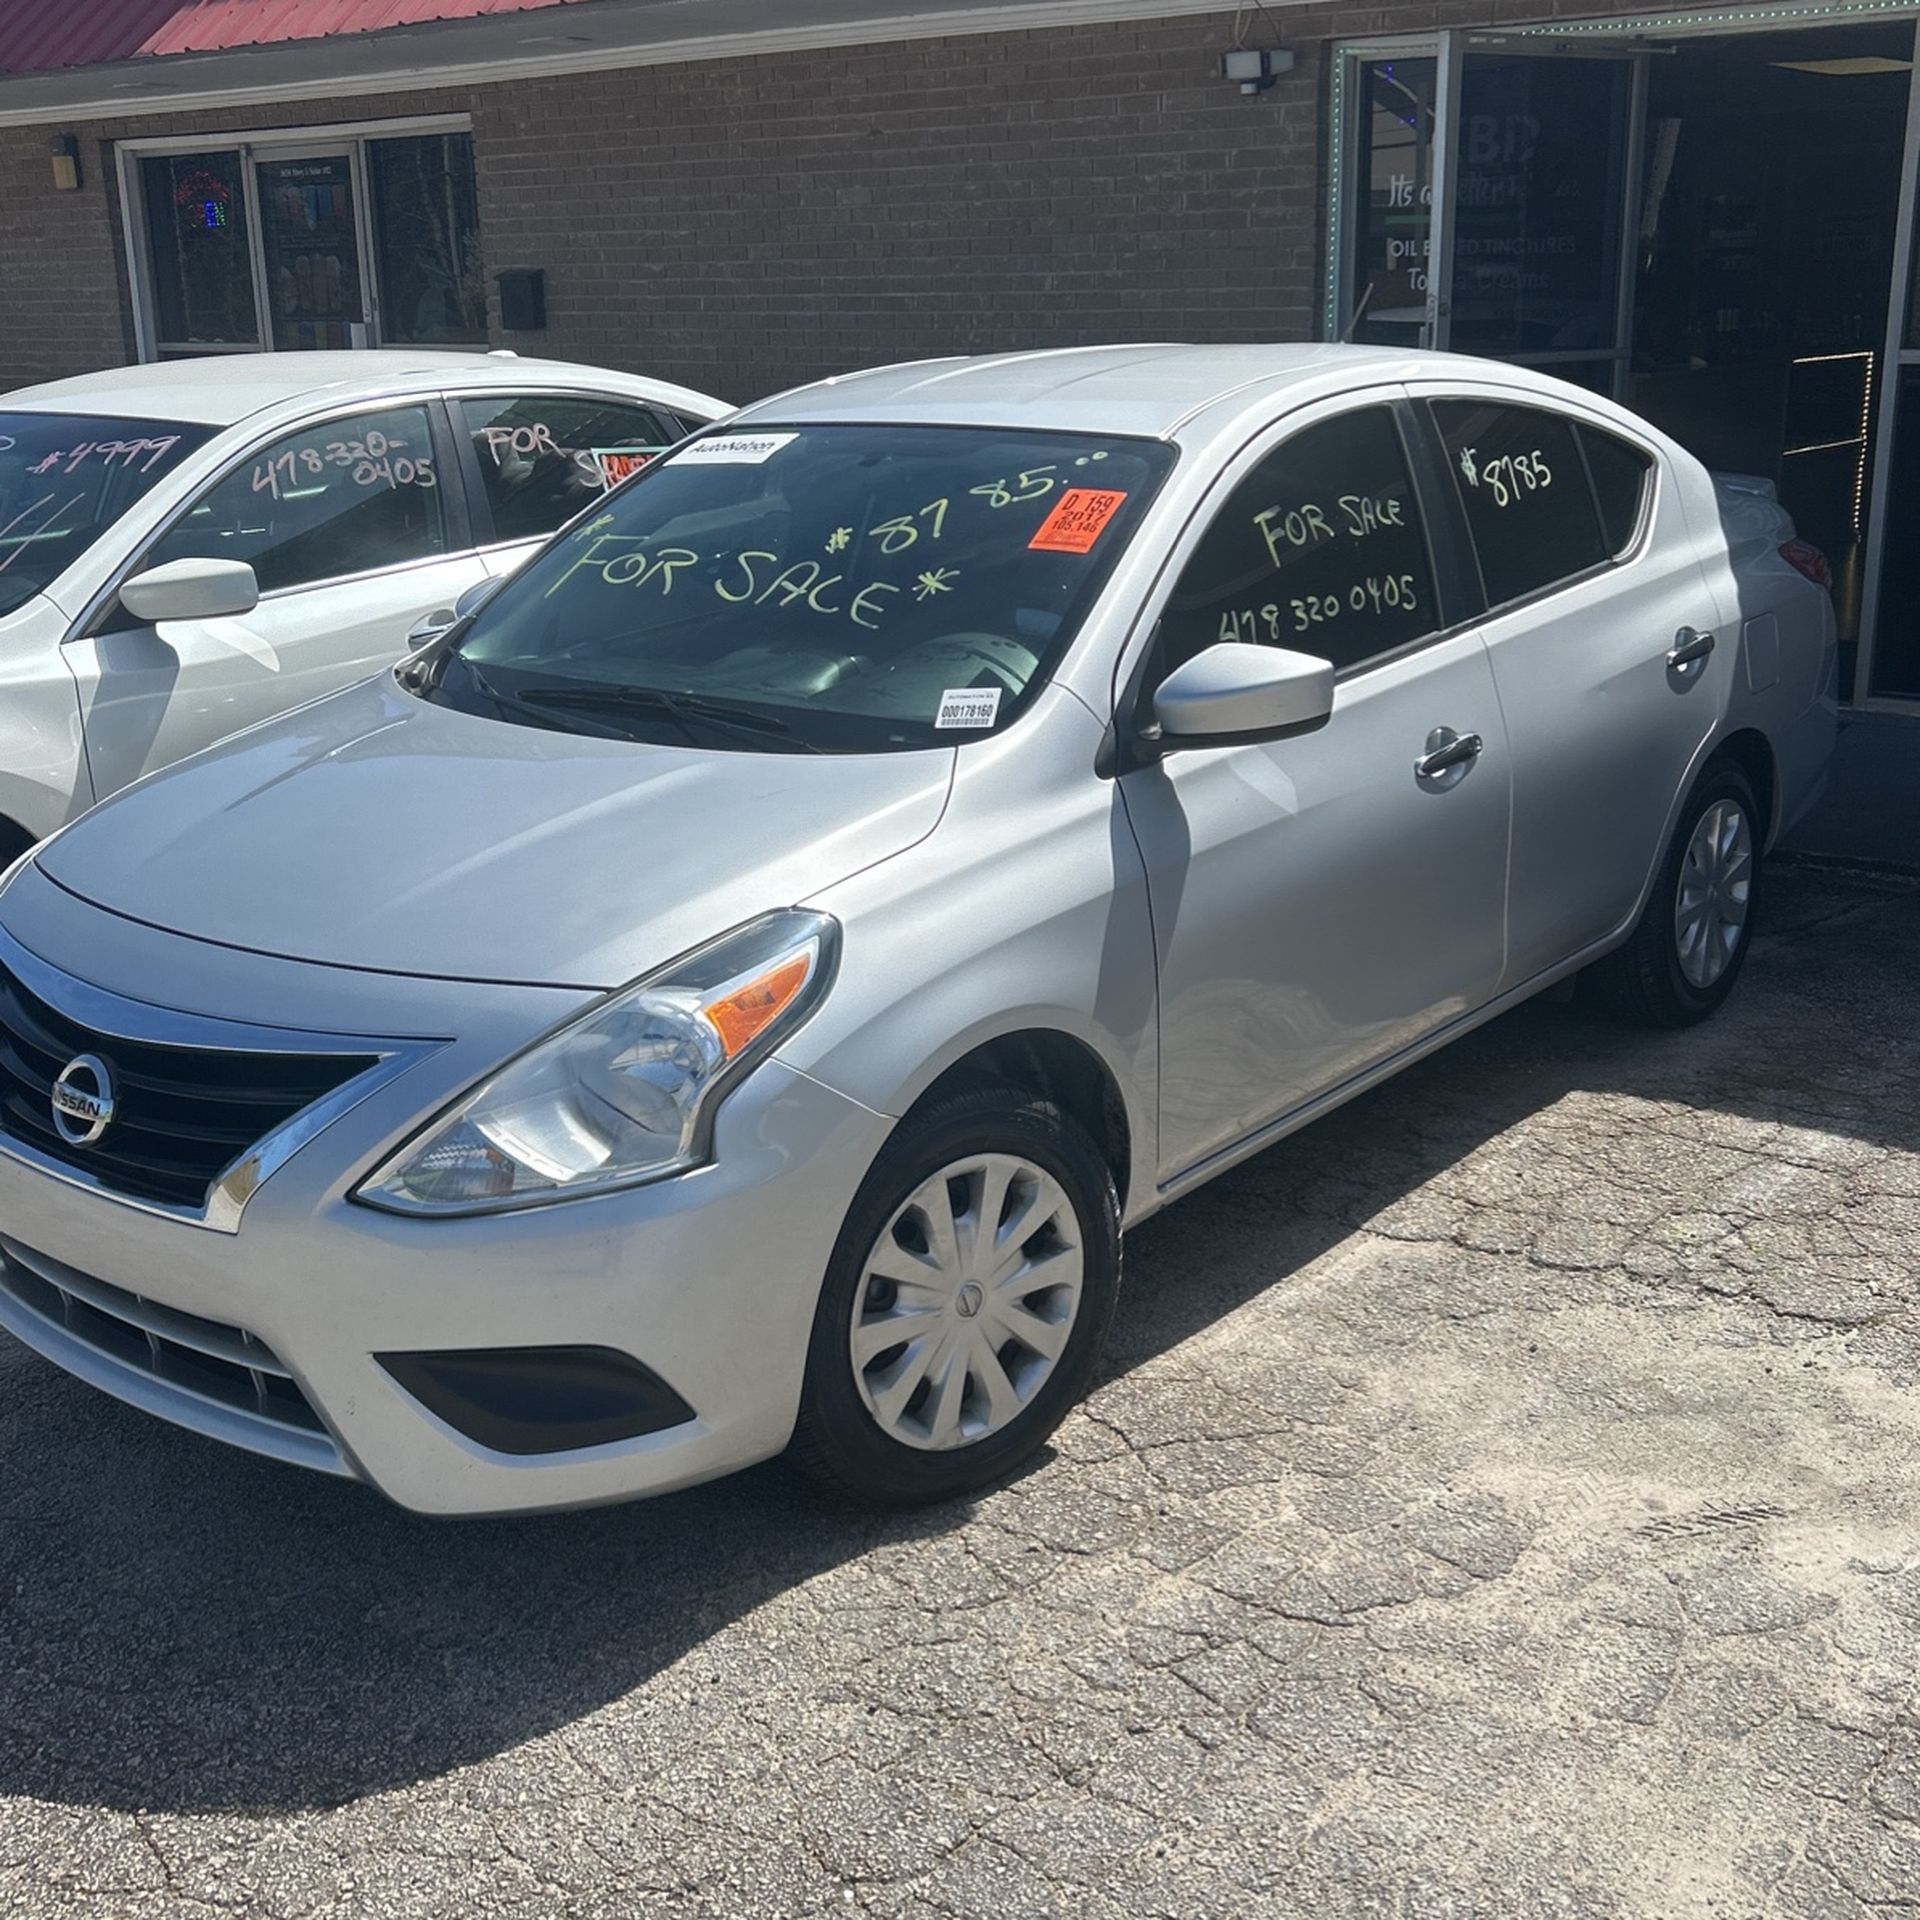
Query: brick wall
[[741, 226]]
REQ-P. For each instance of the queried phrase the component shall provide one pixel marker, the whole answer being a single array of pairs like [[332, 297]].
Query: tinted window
[[346, 497], [852, 588], [542, 460], [427, 239], [1620, 474], [1320, 549], [65, 479], [1524, 488]]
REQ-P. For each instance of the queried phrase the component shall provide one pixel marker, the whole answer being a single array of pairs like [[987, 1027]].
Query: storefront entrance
[[352, 238], [1709, 228]]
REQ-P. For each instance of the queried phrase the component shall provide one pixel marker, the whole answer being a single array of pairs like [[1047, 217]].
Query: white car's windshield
[[831, 588], [65, 478]]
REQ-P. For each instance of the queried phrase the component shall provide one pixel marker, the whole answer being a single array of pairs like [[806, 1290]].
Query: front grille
[[216, 1379], [182, 1114]]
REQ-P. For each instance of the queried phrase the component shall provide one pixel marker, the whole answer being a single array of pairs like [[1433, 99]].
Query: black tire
[[838, 1440], [1645, 979]]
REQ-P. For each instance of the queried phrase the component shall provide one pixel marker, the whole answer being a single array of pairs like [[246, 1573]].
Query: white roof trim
[[421, 71]]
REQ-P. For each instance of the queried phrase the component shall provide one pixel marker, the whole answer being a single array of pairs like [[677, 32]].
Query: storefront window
[[197, 245], [328, 243], [1536, 244], [427, 234], [1394, 217]]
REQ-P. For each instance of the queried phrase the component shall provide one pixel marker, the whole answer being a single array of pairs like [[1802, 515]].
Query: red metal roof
[[38, 35]]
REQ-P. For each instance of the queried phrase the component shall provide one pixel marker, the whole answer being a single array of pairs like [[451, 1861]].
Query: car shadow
[[187, 1629]]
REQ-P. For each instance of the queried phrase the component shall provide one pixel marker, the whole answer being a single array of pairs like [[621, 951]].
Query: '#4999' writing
[[1374, 594]]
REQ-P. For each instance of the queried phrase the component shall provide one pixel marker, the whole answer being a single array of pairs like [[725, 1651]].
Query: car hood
[[375, 831]]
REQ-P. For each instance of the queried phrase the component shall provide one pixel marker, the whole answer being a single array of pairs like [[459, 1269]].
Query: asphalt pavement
[[1500, 1501]]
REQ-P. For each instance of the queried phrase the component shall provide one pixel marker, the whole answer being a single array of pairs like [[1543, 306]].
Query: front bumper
[[709, 1280]]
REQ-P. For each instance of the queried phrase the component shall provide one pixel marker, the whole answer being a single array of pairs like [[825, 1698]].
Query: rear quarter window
[[1622, 475]]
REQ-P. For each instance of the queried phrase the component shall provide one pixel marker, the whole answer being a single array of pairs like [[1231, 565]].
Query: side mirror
[[431, 626], [1238, 692], [191, 590], [476, 597]]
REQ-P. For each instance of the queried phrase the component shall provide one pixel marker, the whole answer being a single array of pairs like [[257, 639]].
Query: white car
[[186, 549], [735, 987]]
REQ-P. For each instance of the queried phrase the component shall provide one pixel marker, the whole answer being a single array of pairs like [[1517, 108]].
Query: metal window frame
[[253, 145]]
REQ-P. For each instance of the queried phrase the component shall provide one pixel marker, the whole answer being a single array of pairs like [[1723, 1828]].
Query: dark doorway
[[1766, 241]]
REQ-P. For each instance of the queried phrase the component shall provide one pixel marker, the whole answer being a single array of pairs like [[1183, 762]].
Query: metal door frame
[[1451, 51]]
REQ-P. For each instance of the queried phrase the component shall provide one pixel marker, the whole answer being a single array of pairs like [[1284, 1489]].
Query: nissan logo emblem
[[83, 1100]]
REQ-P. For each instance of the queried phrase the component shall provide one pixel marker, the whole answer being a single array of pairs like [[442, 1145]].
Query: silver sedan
[[732, 990]]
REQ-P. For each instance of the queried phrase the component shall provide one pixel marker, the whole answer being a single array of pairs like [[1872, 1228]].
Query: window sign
[[202, 272], [542, 457], [1528, 501], [1320, 549], [352, 496]]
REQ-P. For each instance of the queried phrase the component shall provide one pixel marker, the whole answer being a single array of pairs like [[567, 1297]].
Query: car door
[[354, 537], [534, 460], [1596, 597], [1319, 904]]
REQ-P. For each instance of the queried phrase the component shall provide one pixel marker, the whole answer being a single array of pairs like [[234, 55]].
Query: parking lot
[[1500, 1501]]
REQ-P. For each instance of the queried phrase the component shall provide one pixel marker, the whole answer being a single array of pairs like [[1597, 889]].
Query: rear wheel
[[1692, 939], [965, 1304]]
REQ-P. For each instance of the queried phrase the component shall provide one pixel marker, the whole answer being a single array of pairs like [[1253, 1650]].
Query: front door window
[[309, 231]]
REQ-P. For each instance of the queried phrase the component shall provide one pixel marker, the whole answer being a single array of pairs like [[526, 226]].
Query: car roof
[[219, 390], [1166, 391]]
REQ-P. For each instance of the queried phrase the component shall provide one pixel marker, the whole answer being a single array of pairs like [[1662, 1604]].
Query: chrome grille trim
[[212, 1379], [114, 1017]]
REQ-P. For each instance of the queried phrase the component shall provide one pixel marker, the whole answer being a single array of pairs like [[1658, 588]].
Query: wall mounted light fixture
[[1256, 68], [66, 163]]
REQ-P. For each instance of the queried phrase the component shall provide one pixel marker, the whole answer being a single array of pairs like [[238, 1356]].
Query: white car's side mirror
[[1238, 692], [191, 590]]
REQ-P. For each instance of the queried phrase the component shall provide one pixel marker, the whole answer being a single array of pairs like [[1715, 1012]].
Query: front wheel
[[1687, 950], [965, 1304]]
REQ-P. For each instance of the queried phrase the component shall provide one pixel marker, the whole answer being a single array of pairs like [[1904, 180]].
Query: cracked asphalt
[[1500, 1501]]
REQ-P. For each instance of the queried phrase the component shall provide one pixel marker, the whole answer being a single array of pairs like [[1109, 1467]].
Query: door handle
[[1689, 649], [1447, 752]]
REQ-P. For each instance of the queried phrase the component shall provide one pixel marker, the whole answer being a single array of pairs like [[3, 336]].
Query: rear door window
[[1320, 549], [541, 458], [349, 496], [1523, 487]]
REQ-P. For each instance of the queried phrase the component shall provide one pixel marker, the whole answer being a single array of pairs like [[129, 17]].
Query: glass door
[[312, 249], [1535, 252], [1489, 204]]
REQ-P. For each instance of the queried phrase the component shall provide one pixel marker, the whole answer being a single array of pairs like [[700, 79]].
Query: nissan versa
[[731, 989]]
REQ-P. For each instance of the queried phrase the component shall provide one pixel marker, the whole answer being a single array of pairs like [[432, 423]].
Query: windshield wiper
[[511, 703], [688, 711]]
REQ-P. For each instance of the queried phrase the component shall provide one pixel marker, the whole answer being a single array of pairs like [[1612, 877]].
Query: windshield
[[65, 478], [842, 589]]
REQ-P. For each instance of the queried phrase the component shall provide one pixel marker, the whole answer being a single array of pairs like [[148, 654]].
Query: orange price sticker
[[1078, 519]]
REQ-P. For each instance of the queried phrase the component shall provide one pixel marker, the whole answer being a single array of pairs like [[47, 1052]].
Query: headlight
[[627, 1091]]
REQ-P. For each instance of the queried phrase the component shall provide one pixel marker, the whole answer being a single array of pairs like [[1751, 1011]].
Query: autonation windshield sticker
[[968, 707], [734, 449]]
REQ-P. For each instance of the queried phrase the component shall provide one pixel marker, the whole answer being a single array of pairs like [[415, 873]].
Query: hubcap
[[967, 1303], [1716, 890]]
